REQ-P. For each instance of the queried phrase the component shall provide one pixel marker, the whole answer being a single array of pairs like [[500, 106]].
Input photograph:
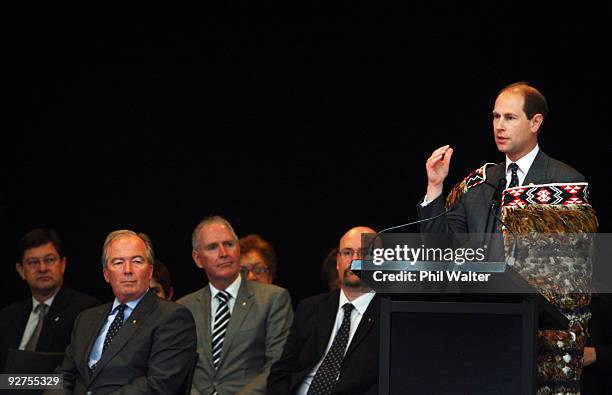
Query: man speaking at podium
[[537, 194], [518, 117], [333, 344]]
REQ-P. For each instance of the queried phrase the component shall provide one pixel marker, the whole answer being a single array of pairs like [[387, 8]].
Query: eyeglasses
[[156, 290], [34, 263], [257, 270], [349, 253]]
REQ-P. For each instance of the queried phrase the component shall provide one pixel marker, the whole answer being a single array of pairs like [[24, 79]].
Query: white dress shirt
[[524, 164], [232, 289]]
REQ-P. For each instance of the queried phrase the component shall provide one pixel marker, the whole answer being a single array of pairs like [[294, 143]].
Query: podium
[[465, 338]]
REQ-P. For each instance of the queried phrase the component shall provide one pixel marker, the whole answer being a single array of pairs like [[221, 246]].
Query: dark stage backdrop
[[296, 124]]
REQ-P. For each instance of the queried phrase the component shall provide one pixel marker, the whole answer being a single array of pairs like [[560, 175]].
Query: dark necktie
[[325, 379], [114, 327], [222, 318], [514, 180], [33, 342], [111, 333]]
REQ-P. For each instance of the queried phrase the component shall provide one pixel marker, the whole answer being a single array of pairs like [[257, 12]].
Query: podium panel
[[472, 337], [458, 347], [443, 353]]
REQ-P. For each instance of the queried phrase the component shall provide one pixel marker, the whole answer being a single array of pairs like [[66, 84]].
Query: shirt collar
[[232, 289], [48, 302], [361, 303], [524, 164], [131, 304]]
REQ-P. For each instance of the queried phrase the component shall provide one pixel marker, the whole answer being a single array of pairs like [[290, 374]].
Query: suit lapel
[[129, 328], [53, 318], [59, 304], [102, 315], [537, 171], [15, 332], [203, 321], [365, 325], [496, 173], [326, 317], [244, 302]]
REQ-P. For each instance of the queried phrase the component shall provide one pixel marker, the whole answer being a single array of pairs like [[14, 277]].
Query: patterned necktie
[[327, 374], [112, 331], [33, 342], [514, 180], [222, 318], [114, 327]]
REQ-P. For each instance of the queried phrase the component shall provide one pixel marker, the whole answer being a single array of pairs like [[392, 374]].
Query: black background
[[296, 123]]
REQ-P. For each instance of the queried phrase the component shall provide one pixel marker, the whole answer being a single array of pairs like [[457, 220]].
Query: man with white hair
[[139, 343]]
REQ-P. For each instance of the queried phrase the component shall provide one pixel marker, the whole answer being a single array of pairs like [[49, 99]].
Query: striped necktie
[[222, 318]]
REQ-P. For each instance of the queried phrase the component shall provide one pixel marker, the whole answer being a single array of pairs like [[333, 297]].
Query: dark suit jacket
[[472, 213], [55, 335], [308, 339], [596, 379], [254, 340], [152, 353]]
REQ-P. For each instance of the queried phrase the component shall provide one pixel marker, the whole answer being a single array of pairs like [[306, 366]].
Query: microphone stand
[[493, 210], [371, 244]]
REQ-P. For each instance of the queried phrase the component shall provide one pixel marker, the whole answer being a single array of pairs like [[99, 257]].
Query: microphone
[[499, 189], [495, 199], [371, 244], [494, 206]]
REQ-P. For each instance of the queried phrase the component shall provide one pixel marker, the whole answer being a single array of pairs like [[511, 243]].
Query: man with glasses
[[242, 325], [333, 344], [257, 259], [44, 321]]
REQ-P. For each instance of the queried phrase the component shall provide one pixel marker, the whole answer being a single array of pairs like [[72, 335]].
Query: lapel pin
[[244, 303], [369, 319], [134, 322], [56, 318]]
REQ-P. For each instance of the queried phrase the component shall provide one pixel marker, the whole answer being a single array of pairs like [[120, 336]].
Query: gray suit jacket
[[152, 353], [256, 334], [473, 213]]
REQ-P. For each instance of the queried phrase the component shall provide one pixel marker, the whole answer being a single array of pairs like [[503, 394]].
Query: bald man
[[320, 323]]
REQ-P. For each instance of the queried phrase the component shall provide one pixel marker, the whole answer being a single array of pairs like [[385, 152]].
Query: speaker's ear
[[536, 122]]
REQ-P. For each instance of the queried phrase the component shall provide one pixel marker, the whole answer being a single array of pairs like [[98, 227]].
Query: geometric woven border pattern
[[547, 194], [478, 176]]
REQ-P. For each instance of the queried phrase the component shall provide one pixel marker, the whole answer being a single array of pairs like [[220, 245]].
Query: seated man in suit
[[333, 344], [138, 344], [242, 325], [44, 321]]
